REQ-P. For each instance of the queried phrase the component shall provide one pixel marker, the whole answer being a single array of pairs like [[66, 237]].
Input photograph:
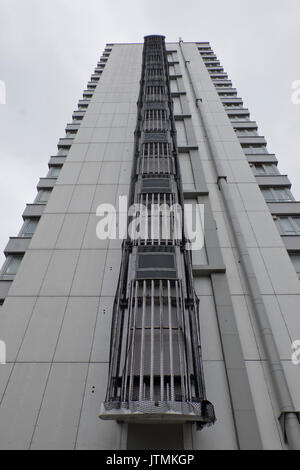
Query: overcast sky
[[49, 48]]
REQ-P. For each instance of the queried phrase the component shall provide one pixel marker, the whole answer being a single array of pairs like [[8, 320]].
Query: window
[[62, 152], [246, 132], [289, 225], [43, 195], [225, 95], [54, 172], [156, 265], [156, 185], [277, 194], [220, 76], [223, 85], [239, 117], [265, 169], [254, 149], [29, 228], [70, 135], [233, 105], [295, 258], [13, 265]]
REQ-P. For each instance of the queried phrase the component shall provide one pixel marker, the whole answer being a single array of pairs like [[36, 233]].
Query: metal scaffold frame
[[156, 371]]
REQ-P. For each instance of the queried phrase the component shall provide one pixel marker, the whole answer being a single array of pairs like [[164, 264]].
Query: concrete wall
[[56, 318]]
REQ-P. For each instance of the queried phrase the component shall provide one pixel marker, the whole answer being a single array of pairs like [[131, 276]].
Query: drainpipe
[[289, 417]]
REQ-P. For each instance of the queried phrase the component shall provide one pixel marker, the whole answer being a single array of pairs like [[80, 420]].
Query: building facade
[[143, 343]]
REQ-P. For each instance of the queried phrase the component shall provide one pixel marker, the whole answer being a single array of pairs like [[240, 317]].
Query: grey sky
[[49, 48]]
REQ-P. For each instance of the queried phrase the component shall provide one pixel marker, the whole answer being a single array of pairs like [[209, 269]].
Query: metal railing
[[155, 120]]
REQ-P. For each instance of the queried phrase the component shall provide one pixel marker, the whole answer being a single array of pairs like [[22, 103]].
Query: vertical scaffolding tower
[[156, 371]]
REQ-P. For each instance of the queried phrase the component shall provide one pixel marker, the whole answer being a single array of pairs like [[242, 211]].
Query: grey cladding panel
[[20, 405], [59, 415], [94, 433], [4, 288]]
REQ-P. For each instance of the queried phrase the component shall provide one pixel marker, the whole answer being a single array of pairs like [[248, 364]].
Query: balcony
[[252, 140], [215, 69], [222, 85], [219, 76], [84, 103], [211, 62], [231, 100], [237, 111], [244, 125], [226, 90], [284, 208], [59, 161], [264, 158], [33, 210], [66, 141], [73, 127], [291, 242], [273, 180], [46, 183], [88, 94], [17, 245], [78, 114]]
